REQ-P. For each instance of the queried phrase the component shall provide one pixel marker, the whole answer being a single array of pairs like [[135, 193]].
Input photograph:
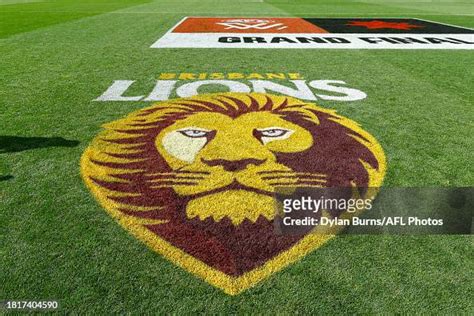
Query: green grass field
[[57, 242]]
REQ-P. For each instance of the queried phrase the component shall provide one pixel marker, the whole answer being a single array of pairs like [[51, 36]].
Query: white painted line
[[452, 25]]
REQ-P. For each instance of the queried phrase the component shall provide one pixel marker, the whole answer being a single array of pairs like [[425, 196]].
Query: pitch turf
[[58, 243]]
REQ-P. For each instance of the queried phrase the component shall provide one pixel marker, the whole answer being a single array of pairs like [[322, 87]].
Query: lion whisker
[[275, 171], [171, 181], [293, 177], [300, 181], [191, 171], [160, 186], [284, 173], [179, 173], [163, 178], [300, 185]]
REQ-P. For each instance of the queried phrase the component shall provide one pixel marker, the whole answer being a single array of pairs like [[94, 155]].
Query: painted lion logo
[[195, 178]]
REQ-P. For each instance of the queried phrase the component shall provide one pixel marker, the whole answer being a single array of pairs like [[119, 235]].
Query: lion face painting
[[195, 178]]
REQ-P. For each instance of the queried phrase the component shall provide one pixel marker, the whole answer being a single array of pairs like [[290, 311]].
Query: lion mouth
[[235, 185]]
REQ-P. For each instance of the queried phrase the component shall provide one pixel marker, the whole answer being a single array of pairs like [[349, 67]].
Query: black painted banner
[[383, 25]]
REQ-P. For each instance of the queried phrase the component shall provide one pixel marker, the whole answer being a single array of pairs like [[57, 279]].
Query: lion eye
[[194, 133], [274, 132]]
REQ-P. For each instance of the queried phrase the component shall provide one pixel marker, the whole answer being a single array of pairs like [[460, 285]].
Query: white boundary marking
[[452, 25], [176, 25]]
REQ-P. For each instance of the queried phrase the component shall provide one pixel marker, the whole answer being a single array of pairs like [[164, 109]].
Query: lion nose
[[233, 165]]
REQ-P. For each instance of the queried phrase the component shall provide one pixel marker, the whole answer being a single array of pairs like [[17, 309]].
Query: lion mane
[[121, 163]]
